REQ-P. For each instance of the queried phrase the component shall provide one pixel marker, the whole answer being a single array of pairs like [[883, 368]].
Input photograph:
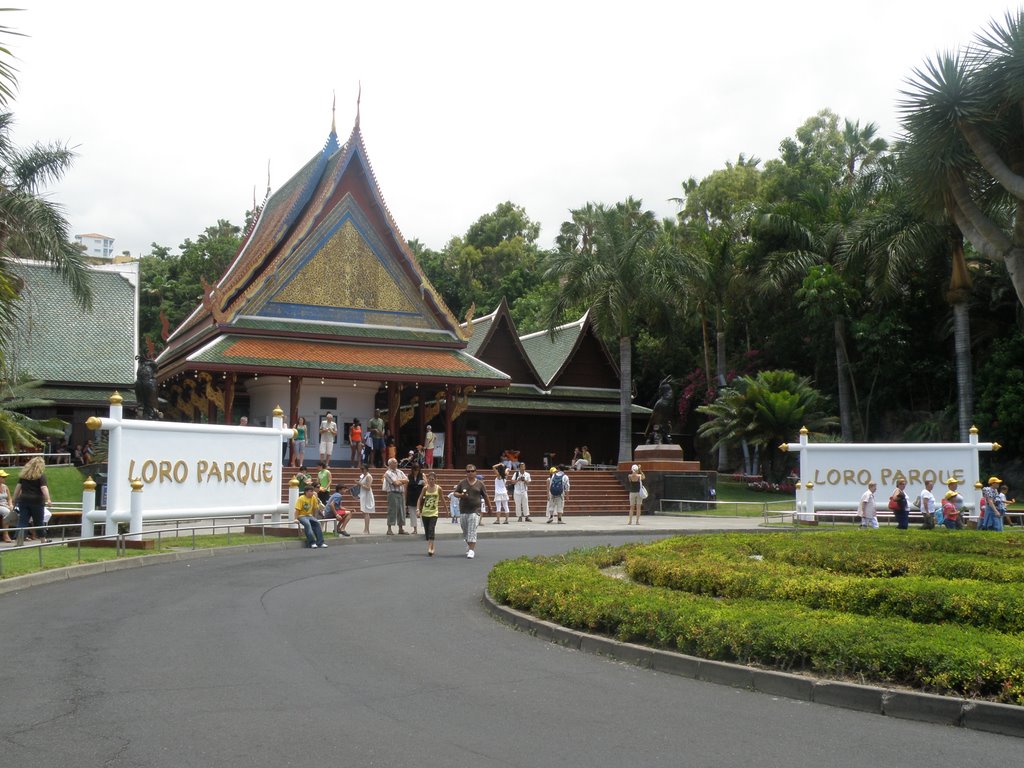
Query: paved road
[[375, 655]]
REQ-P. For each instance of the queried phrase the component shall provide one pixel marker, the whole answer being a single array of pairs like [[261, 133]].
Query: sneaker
[[312, 546], [471, 554], [345, 534], [560, 521], [322, 546], [529, 520], [550, 520]]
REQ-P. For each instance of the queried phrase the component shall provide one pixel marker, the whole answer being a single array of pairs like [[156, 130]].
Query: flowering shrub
[[763, 486]]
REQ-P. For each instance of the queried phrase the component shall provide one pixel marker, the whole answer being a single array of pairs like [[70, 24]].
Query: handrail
[[121, 539], [11, 459]]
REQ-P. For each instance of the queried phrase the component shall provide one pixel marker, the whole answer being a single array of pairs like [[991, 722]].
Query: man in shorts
[[328, 433], [472, 496]]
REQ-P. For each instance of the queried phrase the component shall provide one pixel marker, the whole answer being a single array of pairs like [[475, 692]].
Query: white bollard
[[135, 511], [88, 507]]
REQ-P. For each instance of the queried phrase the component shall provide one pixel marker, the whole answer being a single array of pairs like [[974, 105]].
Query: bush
[[709, 596]]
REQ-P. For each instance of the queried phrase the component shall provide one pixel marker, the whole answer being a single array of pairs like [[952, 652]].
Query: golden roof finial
[[334, 103], [359, 97]]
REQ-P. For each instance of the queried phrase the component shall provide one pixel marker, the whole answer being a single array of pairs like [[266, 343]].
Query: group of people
[[947, 511], [24, 509], [372, 446], [414, 498]]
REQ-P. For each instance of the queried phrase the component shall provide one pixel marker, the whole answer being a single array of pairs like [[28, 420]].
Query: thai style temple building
[[325, 309]]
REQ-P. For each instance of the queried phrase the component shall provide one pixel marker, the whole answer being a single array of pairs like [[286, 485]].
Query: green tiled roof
[[57, 341], [98, 395], [548, 352], [480, 328], [347, 331]]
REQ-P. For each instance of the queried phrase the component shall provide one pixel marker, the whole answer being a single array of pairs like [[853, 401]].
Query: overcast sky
[[175, 109]]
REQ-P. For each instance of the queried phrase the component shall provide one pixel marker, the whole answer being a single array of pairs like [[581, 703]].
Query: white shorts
[[327, 447]]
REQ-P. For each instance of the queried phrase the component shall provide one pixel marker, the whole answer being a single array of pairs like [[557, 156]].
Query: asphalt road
[[375, 655]]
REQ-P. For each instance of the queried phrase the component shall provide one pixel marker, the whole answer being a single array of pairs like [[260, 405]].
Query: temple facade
[[325, 309]]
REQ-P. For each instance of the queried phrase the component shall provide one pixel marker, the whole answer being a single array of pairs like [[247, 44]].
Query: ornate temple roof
[[324, 261]]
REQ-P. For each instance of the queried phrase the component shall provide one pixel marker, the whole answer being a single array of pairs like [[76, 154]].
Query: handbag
[[643, 492], [894, 505], [355, 491]]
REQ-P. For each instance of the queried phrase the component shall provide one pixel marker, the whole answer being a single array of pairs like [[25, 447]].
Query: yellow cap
[[994, 479]]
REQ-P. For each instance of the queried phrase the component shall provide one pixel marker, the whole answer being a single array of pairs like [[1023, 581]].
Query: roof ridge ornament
[[334, 103], [359, 98]]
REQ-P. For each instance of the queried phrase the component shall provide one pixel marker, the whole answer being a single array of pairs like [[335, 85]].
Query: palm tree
[[605, 261], [962, 113], [18, 431], [823, 252], [766, 410], [32, 227]]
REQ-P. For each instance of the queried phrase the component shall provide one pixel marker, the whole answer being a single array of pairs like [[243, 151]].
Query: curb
[[992, 717], [53, 575]]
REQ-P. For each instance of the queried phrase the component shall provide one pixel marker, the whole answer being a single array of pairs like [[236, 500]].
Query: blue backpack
[[558, 484]]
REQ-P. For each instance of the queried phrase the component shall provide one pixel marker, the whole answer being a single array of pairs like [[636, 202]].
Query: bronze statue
[[659, 427], [146, 389]]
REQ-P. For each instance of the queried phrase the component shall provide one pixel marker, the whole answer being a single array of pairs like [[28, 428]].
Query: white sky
[[175, 109]]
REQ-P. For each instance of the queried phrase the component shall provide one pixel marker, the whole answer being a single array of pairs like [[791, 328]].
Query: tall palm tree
[[962, 112], [605, 260]]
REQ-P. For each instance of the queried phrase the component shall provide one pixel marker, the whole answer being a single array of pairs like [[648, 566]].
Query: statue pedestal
[[666, 457]]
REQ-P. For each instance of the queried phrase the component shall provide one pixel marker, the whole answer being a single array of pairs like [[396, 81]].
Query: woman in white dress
[[366, 503]]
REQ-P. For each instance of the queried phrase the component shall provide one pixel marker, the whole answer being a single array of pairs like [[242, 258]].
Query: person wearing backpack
[[558, 487]]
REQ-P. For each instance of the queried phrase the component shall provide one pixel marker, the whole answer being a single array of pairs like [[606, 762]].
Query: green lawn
[[735, 499], [22, 560], [64, 482]]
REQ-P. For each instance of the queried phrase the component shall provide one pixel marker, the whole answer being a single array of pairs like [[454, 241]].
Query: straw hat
[[951, 494], [2, 473]]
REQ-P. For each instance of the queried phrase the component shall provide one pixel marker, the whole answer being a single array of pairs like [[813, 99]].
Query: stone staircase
[[593, 491]]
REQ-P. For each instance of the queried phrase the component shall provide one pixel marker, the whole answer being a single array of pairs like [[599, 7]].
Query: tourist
[[584, 459], [376, 428], [952, 484], [244, 421], [866, 509], [303, 478], [336, 511], [366, 503], [521, 493], [328, 434], [367, 449], [930, 509], [413, 490], [32, 496], [951, 514], [355, 443], [429, 443], [472, 496], [1003, 490], [394, 483], [453, 507], [427, 506], [323, 477], [992, 517], [301, 432], [306, 509], [558, 488], [500, 492], [8, 517], [390, 446], [900, 504], [635, 480]]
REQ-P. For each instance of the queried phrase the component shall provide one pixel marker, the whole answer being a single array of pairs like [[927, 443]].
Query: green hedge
[[950, 658], [922, 599]]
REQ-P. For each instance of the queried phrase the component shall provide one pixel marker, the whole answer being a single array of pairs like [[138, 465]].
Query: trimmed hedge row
[[978, 555], [947, 659], [922, 599]]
